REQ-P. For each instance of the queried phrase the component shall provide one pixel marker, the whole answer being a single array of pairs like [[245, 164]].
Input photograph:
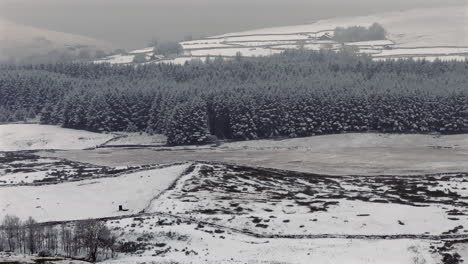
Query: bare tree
[[11, 226], [93, 235], [30, 227], [90, 237], [40, 238], [51, 239], [2, 240], [67, 240]]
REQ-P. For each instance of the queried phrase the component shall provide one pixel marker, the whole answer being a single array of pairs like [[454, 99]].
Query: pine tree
[[188, 123]]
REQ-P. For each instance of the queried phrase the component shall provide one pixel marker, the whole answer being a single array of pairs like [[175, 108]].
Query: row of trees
[[299, 93], [360, 33], [90, 238]]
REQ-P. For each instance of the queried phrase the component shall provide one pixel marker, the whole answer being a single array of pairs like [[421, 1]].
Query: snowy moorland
[[211, 212], [288, 204], [169, 240], [25, 168], [33, 136], [430, 34], [93, 198]]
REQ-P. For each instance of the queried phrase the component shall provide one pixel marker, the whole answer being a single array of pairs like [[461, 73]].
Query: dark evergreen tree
[[188, 123]]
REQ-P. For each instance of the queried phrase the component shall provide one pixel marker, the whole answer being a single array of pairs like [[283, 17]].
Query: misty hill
[[25, 43]]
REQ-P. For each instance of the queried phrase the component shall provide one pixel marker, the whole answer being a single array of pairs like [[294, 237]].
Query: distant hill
[[20, 43], [430, 33]]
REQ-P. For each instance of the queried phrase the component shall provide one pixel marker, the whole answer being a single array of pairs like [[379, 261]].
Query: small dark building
[[121, 209], [387, 47], [325, 36]]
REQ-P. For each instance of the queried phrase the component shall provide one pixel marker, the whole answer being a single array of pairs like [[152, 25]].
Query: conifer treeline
[[298, 93]]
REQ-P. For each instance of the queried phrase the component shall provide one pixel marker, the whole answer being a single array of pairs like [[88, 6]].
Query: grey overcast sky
[[133, 23]]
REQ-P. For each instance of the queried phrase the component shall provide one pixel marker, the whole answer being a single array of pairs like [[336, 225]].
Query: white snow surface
[[117, 59], [92, 198], [263, 43], [346, 217], [230, 52], [340, 154], [442, 26], [355, 140], [423, 51], [21, 177], [230, 247], [371, 43], [428, 31], [182, 60], [203, 44], [427, 58], [144, 50], [15, 137], [295, 251], [260, 37], [137, 138]]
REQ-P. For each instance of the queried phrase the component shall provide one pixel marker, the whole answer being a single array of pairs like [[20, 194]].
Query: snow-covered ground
[[13, 258], [286, 204], [117, 59], [266, 37], [432, 32], [422, 51], [25, 177], [231, 52], [142, 139], [203, 44], [189, 243], [427, 58], [182, 60], [342, 154], [33, 136], [92, 198], [355, 140], [442, 26], [144, 50], [220, 213], [462, 250]]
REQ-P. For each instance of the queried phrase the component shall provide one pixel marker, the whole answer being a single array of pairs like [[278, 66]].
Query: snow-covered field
[[231, 52], [117, 59], [442, 26], [422, 51], [94, 198], [287, 204], [429, 33], [32, 136], [218, 213], [191, 243], [342, 154], [142, 139]]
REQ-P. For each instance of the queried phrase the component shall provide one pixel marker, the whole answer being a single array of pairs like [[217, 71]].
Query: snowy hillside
[[92, 198], [429, 34], [33, 136]]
